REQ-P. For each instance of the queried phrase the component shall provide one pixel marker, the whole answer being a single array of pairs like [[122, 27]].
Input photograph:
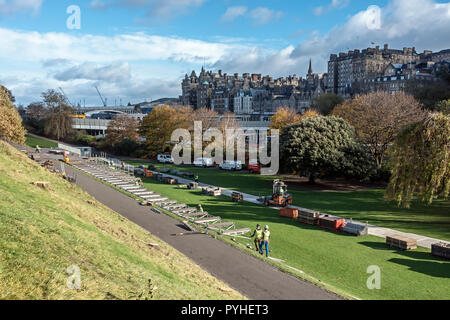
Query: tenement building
[[374, 69], [251, 96]]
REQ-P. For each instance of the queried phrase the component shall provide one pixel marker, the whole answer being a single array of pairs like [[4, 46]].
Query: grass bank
[[44, 231], [32, 141]]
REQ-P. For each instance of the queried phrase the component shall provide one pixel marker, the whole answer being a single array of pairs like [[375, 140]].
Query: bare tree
[[121, 128], [378, 117]]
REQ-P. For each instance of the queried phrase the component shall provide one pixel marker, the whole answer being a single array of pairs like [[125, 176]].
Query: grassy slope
[[368, 205], [42, 232], [32, 141], [336, 259]]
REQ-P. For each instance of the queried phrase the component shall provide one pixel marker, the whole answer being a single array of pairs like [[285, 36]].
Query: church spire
[[310, 68]]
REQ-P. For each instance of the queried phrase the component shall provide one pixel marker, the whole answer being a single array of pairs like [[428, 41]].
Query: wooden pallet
[[401, 242]]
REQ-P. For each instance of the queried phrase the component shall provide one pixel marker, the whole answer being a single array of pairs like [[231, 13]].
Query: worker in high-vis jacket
[[266, 240], [258, 234]]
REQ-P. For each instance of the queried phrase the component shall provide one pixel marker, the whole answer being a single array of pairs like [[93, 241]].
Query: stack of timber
[[308, 216], [289, 212], [441, 249], [401, 242]]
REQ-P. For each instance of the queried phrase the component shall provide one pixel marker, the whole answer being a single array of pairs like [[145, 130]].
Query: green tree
[[420, 161], [11, 127], [324, 146], [325, 103], [58, 122]]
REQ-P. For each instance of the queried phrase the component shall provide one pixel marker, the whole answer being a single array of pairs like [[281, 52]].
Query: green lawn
[[368, 205], [338, 260], [32, 141]]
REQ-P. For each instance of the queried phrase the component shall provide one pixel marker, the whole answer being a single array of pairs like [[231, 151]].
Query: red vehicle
[[254, 168]]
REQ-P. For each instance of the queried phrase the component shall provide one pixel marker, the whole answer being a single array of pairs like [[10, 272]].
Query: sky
[[140, 50]]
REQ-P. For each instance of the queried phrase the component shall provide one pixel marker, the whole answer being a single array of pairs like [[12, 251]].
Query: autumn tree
[[325, 103], [324, 147], [420, 159], [123, 127], [284, 117], [310, 113], [9, 94], [378, 117], [58, 123], [11, 127], [158, 125]]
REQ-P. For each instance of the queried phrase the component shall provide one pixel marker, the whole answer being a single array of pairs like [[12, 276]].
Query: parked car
[[165, 158], [254, 168], [203, 162], [231, 165]]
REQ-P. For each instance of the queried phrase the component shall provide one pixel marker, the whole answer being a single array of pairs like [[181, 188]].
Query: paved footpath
[[422, 241], [252, 277]]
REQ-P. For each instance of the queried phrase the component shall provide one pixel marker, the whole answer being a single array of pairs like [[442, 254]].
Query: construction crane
[[104, 101], [65, 96]]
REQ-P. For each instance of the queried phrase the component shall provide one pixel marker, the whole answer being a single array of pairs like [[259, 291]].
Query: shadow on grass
[[432, 268]]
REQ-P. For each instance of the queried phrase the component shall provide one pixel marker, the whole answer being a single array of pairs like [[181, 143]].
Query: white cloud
[[114, 72], [32, 46], [263, 16], [334, 5], [233, 12], [17, 6]]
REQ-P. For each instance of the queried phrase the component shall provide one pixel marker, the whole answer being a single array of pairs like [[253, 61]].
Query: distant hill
[[45, 231]]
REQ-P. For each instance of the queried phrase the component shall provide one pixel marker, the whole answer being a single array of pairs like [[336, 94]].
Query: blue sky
[[140, 49]]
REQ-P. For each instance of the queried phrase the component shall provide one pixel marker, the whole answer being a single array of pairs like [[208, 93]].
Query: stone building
[[251, 95], [372, 69]]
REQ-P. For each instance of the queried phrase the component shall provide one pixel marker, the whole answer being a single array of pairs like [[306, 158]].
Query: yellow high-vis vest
[[266, 235]]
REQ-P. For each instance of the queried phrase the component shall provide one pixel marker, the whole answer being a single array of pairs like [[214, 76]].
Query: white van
[[231, 165], [165, 158], [203, 162]]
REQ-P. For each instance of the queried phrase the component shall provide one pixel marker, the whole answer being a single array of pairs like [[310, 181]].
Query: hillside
[[45, 231]]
